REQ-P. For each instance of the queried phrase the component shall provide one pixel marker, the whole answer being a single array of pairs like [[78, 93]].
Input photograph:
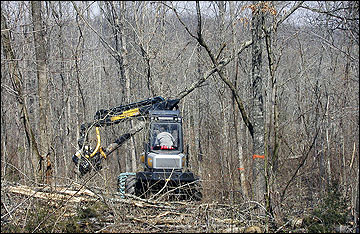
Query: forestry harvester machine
[[163, 160]]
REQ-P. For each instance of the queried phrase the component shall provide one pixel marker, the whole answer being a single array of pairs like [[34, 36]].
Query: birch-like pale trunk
[[238, 134]]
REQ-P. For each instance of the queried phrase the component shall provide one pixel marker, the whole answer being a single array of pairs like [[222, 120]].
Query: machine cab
[[165, 146], [166, 132]]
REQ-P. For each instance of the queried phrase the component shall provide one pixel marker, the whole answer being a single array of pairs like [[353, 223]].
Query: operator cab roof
[[165, 115]]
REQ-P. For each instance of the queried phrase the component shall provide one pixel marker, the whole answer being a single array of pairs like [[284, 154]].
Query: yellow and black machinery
[[164, 160]]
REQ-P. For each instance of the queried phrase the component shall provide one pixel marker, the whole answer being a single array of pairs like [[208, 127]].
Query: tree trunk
[[258, 187], [121, 48], [41, 70], [17, 82], [237, 126]]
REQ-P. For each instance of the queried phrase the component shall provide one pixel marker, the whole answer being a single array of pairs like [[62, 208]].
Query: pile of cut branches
[[79, 209]]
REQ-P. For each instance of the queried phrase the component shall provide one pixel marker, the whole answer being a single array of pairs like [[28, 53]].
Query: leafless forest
[[269, 98]]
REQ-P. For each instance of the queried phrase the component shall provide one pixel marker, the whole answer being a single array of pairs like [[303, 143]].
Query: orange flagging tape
[[240, 169], [258, 156]]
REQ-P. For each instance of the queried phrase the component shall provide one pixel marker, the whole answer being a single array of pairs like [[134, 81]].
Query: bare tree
[[258, 186], [17, 83], [41, 68]]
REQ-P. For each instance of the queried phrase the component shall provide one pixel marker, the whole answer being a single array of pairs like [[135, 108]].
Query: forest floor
[[44, 209]]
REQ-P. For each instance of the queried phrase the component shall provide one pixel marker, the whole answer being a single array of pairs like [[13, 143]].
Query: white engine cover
[[166, 161]]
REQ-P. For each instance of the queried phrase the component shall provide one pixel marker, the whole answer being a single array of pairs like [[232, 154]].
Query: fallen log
[[60, 194]]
